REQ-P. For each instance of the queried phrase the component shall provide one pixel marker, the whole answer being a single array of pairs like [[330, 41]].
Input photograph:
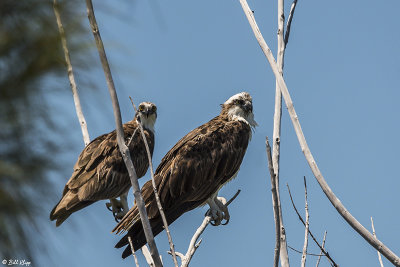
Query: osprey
[[194, 170], [100, 171]]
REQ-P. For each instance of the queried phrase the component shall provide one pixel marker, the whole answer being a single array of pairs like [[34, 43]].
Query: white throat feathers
[[235, 113], [148, 121]]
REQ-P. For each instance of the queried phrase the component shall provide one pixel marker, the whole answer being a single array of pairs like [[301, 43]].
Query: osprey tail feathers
[[66, 206], [138, 237], [136, 231]]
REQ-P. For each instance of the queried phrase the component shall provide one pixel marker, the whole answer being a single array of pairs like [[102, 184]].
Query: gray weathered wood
[[360, 229]]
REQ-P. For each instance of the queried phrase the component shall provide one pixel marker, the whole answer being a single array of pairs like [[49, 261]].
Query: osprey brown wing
[[195, 168], [100, 172]]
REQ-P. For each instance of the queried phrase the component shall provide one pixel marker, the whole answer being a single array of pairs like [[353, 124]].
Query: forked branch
[[194, 244], [283, 253], [373, 232], [377, 244], [120, 136], [309, 231], [160, 208], [323, 246]]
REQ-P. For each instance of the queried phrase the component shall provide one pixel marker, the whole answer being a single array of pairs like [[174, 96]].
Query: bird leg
[[118, 207], [218, 210]]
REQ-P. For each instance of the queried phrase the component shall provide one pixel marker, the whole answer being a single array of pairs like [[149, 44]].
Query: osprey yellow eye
[[141, 108]]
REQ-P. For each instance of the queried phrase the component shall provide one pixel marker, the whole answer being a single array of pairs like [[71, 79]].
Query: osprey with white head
[[192, 172], [240, 107], [100, 172], [147, 115]]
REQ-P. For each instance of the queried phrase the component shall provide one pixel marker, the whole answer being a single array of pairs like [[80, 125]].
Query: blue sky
[[341, 67]]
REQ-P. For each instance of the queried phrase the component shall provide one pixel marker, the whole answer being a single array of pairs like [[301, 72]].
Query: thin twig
[[309, 231], [289, 22], [304, 256], [323, 245], [160, 208], [377, 244], [309, 254], [130, 139], [274, 205], [120, 136], [71, 77], [277, 133], [373, 232], [194, 244], [133, 251]]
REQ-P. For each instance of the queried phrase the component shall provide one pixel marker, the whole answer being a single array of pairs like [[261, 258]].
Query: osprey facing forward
[[193, 171], [100, 171]]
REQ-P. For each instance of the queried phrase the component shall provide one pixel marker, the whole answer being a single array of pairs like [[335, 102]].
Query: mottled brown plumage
[[100, 172], [193, 170]]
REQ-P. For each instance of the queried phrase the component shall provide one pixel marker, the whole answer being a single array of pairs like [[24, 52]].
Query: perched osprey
[[194, 170], [100, 171]]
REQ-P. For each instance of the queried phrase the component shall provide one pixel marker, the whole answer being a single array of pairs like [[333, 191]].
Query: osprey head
[[240, 107], [147, 115]]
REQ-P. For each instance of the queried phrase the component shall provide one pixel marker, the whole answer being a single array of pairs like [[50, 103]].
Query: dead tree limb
[[133, 251], [304, 256], [71, 77], [289, 22], [373, 232], [147, 256], [309, 231], [274, 205], [323, 246], [194, 244], [308, 254], [360, 229], [160, 208], [277, 133], [120, 136]]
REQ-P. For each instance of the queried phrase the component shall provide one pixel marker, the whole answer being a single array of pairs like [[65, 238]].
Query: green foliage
[[30, 54]]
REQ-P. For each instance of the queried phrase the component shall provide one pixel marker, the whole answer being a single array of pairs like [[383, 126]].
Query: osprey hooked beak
[[147, 115], [147, 109], [247, 106]]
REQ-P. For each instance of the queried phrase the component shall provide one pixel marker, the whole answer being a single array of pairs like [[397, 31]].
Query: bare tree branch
[[377, 244], [309, 231], [274, 205], [147, 256], [277, 133], [289, 22], [309, 254], [78, 108], [194, 244], [133, 251], [373, 232], [160, 208], [120, 136], [323, 245], [304, 256]]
